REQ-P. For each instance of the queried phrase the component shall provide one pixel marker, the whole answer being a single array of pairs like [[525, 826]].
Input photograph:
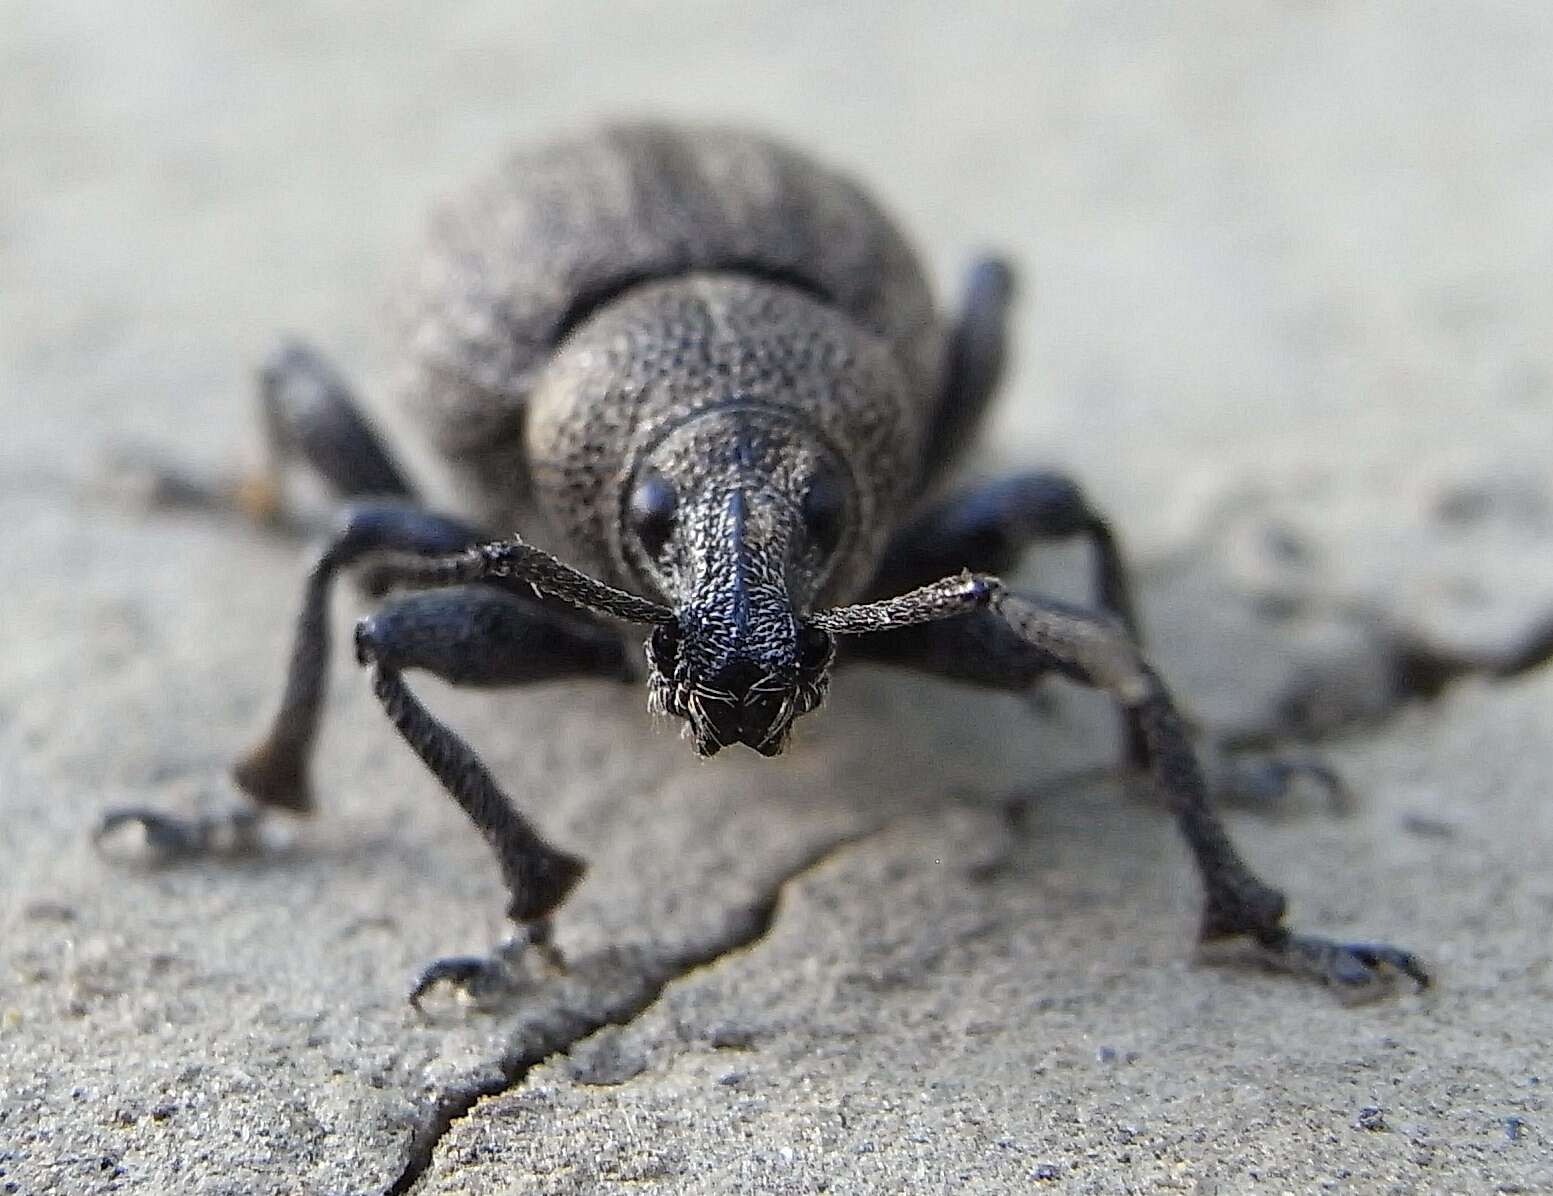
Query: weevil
[[706, 376]]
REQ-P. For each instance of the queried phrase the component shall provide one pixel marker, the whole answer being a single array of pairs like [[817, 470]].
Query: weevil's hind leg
[[973, 363], [274, 772], [988, 528], [478, 636], [309, 418], [1090, 649]]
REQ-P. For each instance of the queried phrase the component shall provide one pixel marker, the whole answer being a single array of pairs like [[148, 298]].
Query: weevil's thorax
[[739, 394]]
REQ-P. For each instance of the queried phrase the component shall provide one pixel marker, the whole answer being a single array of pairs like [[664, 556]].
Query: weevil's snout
[[741, 703], [737, 697]]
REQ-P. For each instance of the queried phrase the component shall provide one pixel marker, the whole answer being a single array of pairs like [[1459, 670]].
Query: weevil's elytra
[[705, 378], [565, 235]]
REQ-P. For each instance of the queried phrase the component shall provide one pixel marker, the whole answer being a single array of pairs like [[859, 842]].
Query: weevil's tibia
[[477, 636]]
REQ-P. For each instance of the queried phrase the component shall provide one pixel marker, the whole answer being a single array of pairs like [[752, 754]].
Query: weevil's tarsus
[[1356, 972], [308, 418], [144, 479], [1276, 783], [485, 982], [154, 838]]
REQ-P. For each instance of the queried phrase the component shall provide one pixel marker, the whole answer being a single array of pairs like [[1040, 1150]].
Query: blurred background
[[1280, 233]]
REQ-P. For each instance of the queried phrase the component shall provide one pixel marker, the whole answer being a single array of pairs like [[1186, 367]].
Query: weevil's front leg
[[988, 528], [275, 771], [476, 636], [411, 547], [1093, 651], [309, 417]]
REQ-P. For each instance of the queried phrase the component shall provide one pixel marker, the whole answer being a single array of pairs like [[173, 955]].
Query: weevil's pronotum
[[706, 376]]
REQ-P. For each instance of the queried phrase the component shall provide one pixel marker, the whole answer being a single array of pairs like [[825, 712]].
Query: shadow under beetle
[[707, 375]]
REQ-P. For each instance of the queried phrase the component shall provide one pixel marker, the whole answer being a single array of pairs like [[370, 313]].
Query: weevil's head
[[740, 450], [741, 519]]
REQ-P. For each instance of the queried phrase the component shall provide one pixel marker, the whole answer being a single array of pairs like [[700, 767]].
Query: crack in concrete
[[557, 1030]]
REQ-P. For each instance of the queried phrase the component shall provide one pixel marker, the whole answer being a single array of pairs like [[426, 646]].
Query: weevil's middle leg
[[1092, 650], [274, 771], [988, 529]]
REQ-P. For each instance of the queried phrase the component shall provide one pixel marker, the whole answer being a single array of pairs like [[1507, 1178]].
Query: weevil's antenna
[[513, 561]]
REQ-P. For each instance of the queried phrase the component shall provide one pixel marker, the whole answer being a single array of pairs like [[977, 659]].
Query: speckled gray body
[[603, 294]]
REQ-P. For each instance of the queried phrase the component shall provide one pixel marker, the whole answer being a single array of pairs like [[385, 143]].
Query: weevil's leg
[[1090, 649], [274, 771], [166, 837], [973, 363], [312, 417], [309, 417], [988, 528], [478, 636]]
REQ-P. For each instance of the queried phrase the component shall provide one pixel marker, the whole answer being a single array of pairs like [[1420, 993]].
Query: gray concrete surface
[[1286, 312]]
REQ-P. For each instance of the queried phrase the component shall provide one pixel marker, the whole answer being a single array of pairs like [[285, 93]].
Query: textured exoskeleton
[[706, 378]]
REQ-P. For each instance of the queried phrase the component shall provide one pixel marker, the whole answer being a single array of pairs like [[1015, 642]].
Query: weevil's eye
[[651, 512], [814, 648], [825, 509]]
